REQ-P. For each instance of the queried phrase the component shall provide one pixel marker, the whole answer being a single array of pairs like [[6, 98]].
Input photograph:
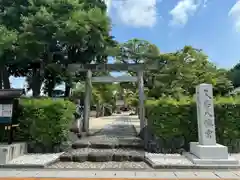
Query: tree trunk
[[50, 91], [67, 86], [67, 90], [50, 88], [1, 84], [5, 78], [103, 109], [137, 111], [36, 82], [98, 109]]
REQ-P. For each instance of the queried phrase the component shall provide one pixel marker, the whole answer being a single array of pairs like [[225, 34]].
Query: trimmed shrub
[[169, 120], [44, 123]]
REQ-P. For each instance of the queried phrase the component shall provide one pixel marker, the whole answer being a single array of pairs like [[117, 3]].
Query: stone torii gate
[[89, 68]]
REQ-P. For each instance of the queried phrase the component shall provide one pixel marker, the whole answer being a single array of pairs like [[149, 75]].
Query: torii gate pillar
[[87, 101], [141, 99]]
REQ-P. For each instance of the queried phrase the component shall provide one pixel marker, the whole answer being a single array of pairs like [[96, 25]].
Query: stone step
[[74, 130], [106, 142], [102, 155]]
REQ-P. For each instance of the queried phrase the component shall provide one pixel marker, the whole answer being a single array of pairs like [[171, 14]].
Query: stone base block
[[227, 163], [209, 152], [210, 155], [11, 151]]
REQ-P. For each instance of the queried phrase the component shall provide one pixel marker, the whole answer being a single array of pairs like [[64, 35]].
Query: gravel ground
[[101, 165]]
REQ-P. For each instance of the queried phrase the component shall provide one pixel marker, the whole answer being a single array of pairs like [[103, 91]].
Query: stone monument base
[[209, 151], [11, 151], [210, 154]]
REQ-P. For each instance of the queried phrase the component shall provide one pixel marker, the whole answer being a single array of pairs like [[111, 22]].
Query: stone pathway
[[120, 133], [122, 125], [115, 142], [106, 121]]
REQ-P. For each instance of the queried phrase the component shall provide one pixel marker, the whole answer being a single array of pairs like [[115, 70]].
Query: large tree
[[53, 34], [234, 75], [184, 70], [137, 51], [8, 39], [10, 19]]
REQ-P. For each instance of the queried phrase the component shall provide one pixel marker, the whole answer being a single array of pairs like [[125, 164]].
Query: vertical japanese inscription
[[205, 111], [208, 114]]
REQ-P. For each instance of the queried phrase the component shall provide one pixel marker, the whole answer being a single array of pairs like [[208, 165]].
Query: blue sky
[[211, 25]]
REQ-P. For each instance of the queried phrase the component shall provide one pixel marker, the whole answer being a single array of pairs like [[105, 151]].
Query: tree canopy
[[52, 34], [40, 38]]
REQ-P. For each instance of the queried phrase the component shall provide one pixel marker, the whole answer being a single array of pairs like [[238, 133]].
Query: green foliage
[[234, 75], [50, 34], [7, 40], [183, 71], [169, 118], [45, 121]]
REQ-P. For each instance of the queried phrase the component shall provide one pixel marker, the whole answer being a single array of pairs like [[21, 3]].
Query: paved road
[[119, 175]]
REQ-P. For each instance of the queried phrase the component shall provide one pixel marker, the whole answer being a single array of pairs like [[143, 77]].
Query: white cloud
[[181, 12], [136, 13], [205, 3], [235, 14]]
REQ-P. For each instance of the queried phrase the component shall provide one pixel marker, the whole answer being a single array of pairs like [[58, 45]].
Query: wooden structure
[[9, 110], [89, 68]]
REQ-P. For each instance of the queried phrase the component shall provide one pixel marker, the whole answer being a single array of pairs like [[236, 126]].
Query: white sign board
[[205, 115], [119, 102], [5, 110]]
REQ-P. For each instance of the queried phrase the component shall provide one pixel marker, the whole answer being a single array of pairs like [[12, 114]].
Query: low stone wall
[[11, 151]]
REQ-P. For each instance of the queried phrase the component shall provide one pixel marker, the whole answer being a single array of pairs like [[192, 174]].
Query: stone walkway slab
[[167, 160], [178, 161], [33, 160]]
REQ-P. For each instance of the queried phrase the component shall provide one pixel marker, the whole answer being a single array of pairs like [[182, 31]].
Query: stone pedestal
[[207, 151], [11, 151]]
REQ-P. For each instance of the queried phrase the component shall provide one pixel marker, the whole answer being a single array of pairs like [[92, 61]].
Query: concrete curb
[[193, 166], [114, 174]]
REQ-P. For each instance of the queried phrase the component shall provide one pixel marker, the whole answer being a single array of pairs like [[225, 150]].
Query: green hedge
[[170, 119], [44, 122]]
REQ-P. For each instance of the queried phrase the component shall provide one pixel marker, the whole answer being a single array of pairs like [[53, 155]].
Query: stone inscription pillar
[[206, 151], [205, 115]]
